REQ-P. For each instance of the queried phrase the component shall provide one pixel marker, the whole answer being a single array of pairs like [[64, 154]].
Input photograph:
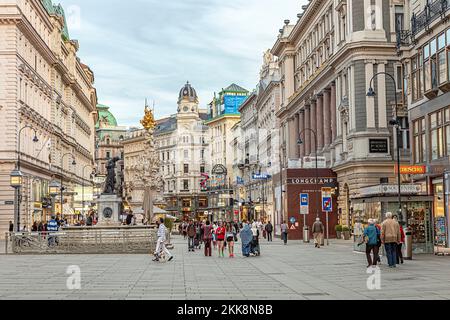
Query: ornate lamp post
[[61, 182], [16, 177], [396, 123], [82, 187], [54, 189]]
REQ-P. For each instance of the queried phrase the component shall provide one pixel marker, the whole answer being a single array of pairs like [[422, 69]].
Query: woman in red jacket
[[220, 234], [400, 245]]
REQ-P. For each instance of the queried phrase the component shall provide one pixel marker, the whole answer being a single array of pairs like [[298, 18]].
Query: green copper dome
[[58, 10], [105, 117]]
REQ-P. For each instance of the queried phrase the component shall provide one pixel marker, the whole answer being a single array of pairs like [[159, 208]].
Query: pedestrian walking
[[284, 232], [400, 245], [161, 243], [230, 235], [52, 226], [185, 225], [269, 231], [214, 235], [390, 237], [318, 230], [191, 233], [372, 238], [246, 239], [11, 226], [255, 250], [207, 237], [220, 233], [34, 227], [129, 219]]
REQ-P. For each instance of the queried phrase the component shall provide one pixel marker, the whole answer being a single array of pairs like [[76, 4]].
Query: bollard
[[306, 235], [408, 244]]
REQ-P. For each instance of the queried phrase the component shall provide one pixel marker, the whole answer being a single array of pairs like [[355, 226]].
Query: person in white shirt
[[161, 243]]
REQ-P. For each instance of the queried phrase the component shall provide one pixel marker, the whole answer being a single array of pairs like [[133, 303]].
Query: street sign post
[[327, 207], [304, 206]]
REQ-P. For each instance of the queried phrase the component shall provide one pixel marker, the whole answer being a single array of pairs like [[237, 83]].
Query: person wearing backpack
[[207, 238], [191, 232], [269, 231]]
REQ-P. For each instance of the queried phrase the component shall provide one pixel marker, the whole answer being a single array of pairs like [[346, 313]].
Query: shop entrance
[[419, 215]]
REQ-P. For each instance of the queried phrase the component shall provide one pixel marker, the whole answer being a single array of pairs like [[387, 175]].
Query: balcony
[[431, 12]]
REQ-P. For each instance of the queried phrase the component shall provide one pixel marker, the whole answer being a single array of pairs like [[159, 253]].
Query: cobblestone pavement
[[296, 271]]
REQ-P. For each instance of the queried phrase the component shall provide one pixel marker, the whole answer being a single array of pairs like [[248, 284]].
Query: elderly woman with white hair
[[372, 239], [391, 237]]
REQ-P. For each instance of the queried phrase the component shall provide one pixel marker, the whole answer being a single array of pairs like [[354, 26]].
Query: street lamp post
[[17, 177], [396, 123], [54, 189], [61, 182], [82, 188], [300, 142]]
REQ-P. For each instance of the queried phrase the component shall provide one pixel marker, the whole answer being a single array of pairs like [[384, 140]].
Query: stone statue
[[268, 57], [110, 184]]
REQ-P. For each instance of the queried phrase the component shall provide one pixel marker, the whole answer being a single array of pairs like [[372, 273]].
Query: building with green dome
[[109, 137]]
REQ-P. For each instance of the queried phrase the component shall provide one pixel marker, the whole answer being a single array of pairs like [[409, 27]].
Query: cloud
[[149, 48]]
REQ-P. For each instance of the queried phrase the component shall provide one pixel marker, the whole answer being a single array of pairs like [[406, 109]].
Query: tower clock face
[[186, 109]]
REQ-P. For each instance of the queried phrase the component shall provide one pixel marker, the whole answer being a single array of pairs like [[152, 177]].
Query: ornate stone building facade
[[424, 77], [43, 85], [182, 142], [327, 60]]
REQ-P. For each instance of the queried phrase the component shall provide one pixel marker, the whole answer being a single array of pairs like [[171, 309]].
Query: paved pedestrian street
[[293, 272]]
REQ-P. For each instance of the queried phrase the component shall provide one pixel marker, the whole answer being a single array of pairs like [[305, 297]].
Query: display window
[[440, 234]]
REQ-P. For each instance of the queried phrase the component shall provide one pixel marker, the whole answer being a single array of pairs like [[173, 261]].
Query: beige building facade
[[327, 60], [43, 85]]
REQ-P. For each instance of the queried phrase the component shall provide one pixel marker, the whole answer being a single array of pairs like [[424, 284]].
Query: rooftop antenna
[[146, 103]]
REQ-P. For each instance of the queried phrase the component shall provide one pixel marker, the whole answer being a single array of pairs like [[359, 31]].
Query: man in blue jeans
[[390, 237]]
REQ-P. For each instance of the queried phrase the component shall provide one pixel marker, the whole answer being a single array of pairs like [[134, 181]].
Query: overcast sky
[[150, 48]]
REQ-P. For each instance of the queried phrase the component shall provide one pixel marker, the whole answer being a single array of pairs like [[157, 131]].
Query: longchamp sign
[[312, 181]]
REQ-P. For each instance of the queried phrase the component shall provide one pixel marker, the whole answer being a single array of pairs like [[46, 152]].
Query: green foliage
[[345, 229], [338, 228]]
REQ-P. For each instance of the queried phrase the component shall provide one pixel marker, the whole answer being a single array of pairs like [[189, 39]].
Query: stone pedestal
[[109, 207]]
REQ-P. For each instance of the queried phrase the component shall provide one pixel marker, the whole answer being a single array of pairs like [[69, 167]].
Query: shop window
[[203, 202], [419, 141], [186, 202]]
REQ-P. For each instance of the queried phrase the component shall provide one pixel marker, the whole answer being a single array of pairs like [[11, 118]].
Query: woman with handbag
[[372, 239]]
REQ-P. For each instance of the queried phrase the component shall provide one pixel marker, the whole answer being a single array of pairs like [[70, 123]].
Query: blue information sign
[[327, 204]]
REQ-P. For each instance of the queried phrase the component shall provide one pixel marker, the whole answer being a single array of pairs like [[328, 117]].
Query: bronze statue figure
[[111, 177]]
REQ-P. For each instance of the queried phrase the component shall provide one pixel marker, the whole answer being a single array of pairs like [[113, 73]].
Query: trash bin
[[306, 238], [408, 244]]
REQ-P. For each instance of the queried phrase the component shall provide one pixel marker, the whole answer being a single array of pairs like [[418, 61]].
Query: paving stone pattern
[[293, 272]]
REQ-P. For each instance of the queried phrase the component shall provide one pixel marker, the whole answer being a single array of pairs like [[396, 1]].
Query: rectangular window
[[419, 141], [202, 169], [186, 168], [441, 41], [433, 47], [427, 75], [426, 52], [399, 79], [442, 61], [434, 72], [186, 185], [186, 154]]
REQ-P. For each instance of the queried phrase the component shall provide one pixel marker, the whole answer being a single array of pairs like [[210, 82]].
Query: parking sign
[[304, 204]]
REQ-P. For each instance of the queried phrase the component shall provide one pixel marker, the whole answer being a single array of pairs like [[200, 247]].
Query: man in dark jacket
[[318, 230], [269, 231], [191, 232], [129, 218], [11, 227]]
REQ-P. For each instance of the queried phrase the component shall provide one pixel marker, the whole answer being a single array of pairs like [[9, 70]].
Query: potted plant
[[339, 231], [346, 232]]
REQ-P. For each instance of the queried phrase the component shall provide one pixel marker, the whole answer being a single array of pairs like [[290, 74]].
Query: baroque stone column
[[302, 127], [320, 124], [326, 117], [333, 108], [297, 133], [291, 138], [313, 126], [307, 139]]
